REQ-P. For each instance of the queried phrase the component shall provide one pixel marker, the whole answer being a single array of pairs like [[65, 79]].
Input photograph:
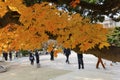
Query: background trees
[[114, 37]]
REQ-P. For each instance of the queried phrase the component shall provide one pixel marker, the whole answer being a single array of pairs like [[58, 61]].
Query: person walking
[[10, 55], [31, 58], [52, 55], [80, 61], [67, 53], [17, 52], [5, 55], [37, 59]]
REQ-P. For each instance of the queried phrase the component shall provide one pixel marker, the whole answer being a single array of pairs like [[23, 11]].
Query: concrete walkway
[[20, 69], [31, 73]]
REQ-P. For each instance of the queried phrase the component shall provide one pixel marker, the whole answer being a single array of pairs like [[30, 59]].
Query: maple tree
[[41, 22], [36, 25]]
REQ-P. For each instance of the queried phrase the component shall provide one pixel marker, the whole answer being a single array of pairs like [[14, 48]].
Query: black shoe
[[68, 62]]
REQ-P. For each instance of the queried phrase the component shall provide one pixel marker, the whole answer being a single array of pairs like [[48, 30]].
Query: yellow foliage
[[71, 30], [74, 3], [82, 32], [55, 53], [3, 8], [103, 44], [50, 48]]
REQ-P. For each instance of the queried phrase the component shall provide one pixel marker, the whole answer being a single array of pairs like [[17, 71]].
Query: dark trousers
[[80, 63], [10, 58], [37, 60], [6, 57], [32, 62], [67, 59], [51, 56]]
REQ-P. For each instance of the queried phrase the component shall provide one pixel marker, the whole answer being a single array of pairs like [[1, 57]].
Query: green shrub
[[114, 37]]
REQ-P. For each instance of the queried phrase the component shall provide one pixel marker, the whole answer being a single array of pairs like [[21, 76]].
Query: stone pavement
[[3, 67], [86, 75], [20, 69], [31, 73]]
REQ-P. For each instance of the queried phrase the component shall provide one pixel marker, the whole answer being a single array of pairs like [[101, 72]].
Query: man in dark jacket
[[67, 53], [37, 58], [80, 61], [10, 56], [52, 55], [31, 57], [5, 55]]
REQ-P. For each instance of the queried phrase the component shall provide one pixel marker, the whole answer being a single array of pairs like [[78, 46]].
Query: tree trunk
[[111, 53], [100, 61]]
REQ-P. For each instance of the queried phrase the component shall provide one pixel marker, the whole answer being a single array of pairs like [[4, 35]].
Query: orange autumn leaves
[[74, 3], [14, 37], [3, 8], [84, 33], [41, 18], [7, 35], [71, 30]]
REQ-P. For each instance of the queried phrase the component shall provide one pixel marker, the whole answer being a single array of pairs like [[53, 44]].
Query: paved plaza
[[20, 69]]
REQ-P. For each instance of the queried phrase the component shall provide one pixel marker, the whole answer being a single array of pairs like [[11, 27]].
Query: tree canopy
[[43, 21], [94, 9], [28, 26]]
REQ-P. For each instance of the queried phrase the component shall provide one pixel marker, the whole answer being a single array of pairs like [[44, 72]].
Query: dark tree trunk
[[111, 53]]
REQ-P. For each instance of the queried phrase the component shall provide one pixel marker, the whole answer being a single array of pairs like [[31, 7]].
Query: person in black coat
[[67, 53], [10, 56], [5, 55], [80, 61], [17, 52], [37, 58], [52, 55], [31, 58]]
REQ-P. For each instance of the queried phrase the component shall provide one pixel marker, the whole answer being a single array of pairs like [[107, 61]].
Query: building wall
[[109, 23]]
